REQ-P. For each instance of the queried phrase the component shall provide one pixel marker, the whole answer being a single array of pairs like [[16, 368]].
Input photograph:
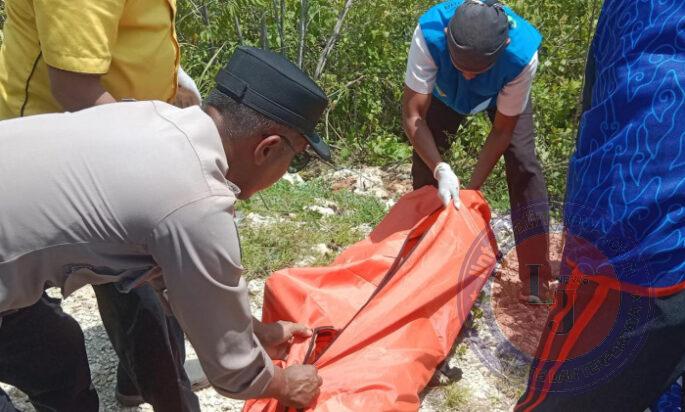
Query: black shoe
[[543, 297], [128, 400]]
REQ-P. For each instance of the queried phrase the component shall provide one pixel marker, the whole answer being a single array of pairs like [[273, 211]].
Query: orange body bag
[[387, 311]]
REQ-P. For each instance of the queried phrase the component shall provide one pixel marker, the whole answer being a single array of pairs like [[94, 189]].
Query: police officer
[[78, 210]]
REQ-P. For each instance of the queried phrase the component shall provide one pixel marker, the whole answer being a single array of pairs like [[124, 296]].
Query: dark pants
[[526, 184], [150, 346], [607, 350], [42, 352]]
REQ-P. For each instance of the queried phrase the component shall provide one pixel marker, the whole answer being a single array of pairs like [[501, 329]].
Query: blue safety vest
[[480, 93]]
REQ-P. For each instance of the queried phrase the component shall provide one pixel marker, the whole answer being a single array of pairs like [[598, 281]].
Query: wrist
[[277, 386], [442, 166], [258, 329]]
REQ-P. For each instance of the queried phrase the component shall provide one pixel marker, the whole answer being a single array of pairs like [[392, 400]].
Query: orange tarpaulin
[[389, 308]]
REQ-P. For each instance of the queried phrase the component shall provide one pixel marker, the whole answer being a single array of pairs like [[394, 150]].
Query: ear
[[445, 30], [266, 149], [508, 40]]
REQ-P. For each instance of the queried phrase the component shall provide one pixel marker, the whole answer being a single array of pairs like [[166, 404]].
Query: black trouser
[[150, 346], [525, 181], [52, 368], [629, 349], [42, 352]]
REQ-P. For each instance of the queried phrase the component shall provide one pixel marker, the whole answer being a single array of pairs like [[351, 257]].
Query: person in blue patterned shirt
[[616, 334]]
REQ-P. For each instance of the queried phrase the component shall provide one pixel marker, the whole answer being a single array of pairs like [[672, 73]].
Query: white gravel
[[103, 361], [479, 379]]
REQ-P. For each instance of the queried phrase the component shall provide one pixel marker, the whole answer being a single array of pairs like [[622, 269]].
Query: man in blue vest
[[467, 57]]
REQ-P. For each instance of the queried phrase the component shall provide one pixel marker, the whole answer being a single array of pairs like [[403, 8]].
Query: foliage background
[[364, 71], [364, 78]]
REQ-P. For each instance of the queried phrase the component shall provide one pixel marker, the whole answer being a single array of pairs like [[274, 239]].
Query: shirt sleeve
[[513, 98], [78, 35], [198, 250], [421, 68]]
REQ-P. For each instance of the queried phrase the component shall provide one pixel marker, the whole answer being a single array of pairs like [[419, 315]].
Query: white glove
[[187, 82], [448, 184]]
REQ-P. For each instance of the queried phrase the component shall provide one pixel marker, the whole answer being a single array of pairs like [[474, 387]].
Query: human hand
[[276, 338], [187, 94], [448, 184], [301, 386]]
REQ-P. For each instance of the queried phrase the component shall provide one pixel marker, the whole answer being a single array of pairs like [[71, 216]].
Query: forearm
[[495, 145], [423, 141], [72, 102], [77, 91]]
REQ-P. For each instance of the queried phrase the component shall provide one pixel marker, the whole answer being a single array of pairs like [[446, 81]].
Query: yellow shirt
[[131, 43]]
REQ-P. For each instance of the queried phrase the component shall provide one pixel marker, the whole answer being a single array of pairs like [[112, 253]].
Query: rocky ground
[[493, 351]]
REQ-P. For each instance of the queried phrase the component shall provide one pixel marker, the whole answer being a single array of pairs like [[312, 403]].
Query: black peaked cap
[[273, 86]]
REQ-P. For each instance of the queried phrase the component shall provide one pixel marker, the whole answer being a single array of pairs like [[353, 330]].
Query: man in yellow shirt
[[68, 55], [111, 49]]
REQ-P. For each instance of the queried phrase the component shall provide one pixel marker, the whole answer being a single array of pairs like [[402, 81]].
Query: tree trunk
[[263, 34], [331, 40], [279, 13], [304, 6]]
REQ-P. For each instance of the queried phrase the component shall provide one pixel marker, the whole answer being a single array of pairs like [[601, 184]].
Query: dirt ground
[[521, 323], [492, 379]]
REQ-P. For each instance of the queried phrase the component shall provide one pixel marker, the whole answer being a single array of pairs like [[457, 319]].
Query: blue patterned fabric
[[473, 96], [626, 182], [671, 401]]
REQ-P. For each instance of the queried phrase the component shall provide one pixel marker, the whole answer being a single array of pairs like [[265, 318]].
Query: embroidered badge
[[512, 22]]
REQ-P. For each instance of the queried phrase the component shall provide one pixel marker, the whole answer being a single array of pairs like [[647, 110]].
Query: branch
[[238, 30], [588, 42], [345, 88], [279, 12], [263, 34], [204, 14], [179, 20], [201, 80], [281, 27], [331, 40], [304, 9]]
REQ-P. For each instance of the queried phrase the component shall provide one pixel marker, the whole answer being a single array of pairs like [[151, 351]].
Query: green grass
[[513, 381], [460, 351], [457, 396], [275, 246]]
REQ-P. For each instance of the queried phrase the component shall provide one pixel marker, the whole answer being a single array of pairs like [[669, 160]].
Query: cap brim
[[318, 145], [468, 60]]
